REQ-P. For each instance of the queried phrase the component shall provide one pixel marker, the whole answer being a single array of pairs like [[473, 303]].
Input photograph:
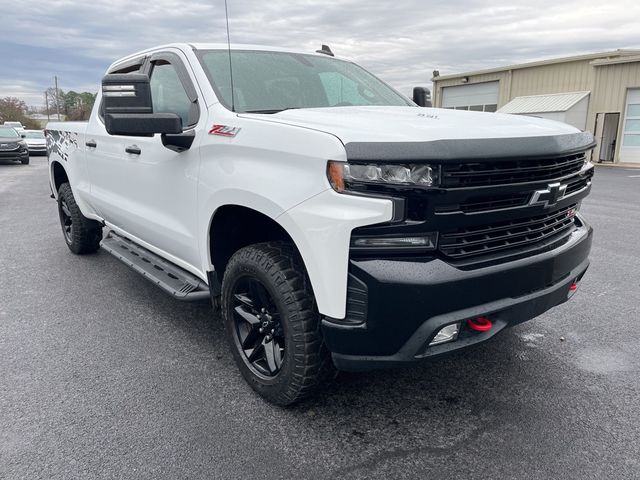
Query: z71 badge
[[224, 130]]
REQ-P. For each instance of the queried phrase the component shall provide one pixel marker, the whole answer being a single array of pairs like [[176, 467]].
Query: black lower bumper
[[37, 150], [408, 302], [14, 156]]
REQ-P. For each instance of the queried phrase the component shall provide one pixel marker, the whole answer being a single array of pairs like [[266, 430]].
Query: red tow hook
[[480, 324], [572, 289]]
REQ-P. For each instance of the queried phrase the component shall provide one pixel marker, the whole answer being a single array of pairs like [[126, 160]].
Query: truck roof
[[218, 46]]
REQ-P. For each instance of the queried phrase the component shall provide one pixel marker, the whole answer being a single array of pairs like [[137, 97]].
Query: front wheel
[[272, 324], [81, 234]]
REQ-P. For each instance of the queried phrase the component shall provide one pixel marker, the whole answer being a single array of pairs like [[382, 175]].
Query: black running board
[[172, 279]]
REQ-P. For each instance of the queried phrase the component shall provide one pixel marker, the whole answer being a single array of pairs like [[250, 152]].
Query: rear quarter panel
[[65, 145]]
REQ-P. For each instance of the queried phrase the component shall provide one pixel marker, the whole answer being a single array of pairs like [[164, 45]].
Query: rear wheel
[[272, 324], [81, 234]]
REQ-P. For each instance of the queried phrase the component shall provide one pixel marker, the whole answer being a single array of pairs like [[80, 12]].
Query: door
[[104, 154], [150, 190], [606, 134], [630, 148], [476, 97]]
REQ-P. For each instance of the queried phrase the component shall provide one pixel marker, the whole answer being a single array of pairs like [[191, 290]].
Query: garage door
[[630, 150], [482, 97]]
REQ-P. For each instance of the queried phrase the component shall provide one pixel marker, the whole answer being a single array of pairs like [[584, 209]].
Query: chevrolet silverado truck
[[337, 224]]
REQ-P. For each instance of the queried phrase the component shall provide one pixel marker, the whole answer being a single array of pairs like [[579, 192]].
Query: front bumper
[[14, 155], [405, 303], [37, 149]]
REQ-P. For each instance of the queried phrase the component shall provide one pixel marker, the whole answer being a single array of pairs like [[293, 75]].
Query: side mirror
[[128, 110], [23, 135], [422, 96]]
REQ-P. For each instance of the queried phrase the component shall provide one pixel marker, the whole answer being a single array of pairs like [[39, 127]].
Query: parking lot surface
[[104, 376]]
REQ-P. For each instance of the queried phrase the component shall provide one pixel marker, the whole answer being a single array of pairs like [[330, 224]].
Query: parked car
[[17, 125], [12, 146], [36, 141], [334, 221]]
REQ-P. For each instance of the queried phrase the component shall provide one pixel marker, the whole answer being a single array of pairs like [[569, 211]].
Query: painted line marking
[[634, 176]]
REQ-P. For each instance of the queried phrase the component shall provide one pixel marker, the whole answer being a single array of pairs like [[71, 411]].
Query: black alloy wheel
[[272, 324], [81, 234], [259, 333]]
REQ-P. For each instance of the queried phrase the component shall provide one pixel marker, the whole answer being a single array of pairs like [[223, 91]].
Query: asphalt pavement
[[102, 375]]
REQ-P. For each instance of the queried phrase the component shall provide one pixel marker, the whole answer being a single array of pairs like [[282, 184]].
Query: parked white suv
[[35, 141], [335, 222]]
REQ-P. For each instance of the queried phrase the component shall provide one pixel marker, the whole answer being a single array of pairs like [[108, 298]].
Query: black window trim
[[140, 61]]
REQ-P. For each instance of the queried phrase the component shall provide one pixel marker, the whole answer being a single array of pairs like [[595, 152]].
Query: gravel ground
[[105, 376]]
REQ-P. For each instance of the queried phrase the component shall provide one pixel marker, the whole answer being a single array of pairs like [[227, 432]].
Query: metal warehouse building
[[598, 92]]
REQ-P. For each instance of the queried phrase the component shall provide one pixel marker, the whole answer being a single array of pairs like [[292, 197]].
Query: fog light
[[446, 334]]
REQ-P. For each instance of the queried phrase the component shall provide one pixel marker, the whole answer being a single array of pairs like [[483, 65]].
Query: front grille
[[7, 147], [500, 172], [525, 232], [485, 203], [578, 184]]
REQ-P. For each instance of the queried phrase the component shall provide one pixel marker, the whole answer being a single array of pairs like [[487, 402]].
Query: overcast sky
[[401, 41]]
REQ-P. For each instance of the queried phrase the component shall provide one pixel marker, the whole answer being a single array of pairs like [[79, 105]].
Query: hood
[[402, 128]]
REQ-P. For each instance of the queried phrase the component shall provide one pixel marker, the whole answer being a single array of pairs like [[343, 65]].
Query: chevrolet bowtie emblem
[[549, 197]]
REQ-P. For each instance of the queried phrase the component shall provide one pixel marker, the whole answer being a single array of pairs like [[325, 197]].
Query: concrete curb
[[618, 165]]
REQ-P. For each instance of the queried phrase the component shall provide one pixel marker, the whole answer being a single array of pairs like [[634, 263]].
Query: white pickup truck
[[335, 222]]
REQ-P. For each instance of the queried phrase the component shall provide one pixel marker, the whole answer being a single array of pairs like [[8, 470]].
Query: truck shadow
[[431, 408]]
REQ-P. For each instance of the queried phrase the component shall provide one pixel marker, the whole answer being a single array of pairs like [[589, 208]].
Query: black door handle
[[91, 143], [134, 149]]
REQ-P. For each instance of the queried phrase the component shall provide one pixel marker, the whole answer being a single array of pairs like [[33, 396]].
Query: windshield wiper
[[273, 110]]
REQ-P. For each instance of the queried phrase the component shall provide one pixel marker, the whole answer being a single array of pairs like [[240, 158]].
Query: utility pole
[[46, 103], [57, 103]]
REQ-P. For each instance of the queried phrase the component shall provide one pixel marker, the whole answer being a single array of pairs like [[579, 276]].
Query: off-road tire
[[86, 234], [306, 364]]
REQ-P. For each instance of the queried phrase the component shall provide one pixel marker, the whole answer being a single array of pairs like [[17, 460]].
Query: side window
[[167, 93]]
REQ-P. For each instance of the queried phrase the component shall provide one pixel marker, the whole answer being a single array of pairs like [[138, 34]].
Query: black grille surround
[[488, 212], [510, 171], [489, 239]]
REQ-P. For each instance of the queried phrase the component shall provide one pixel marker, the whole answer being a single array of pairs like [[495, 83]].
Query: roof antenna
[[325, 50], [226, 14]]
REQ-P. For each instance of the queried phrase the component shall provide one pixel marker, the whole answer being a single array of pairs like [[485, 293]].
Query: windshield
[[268, 82], [34, 134], [8, 132]]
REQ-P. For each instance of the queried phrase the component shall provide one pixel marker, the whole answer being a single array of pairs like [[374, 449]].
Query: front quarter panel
[[321, 228], [264, 166], [278, 170]]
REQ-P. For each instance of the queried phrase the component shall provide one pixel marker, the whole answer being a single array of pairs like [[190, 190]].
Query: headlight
[[344, 176]]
